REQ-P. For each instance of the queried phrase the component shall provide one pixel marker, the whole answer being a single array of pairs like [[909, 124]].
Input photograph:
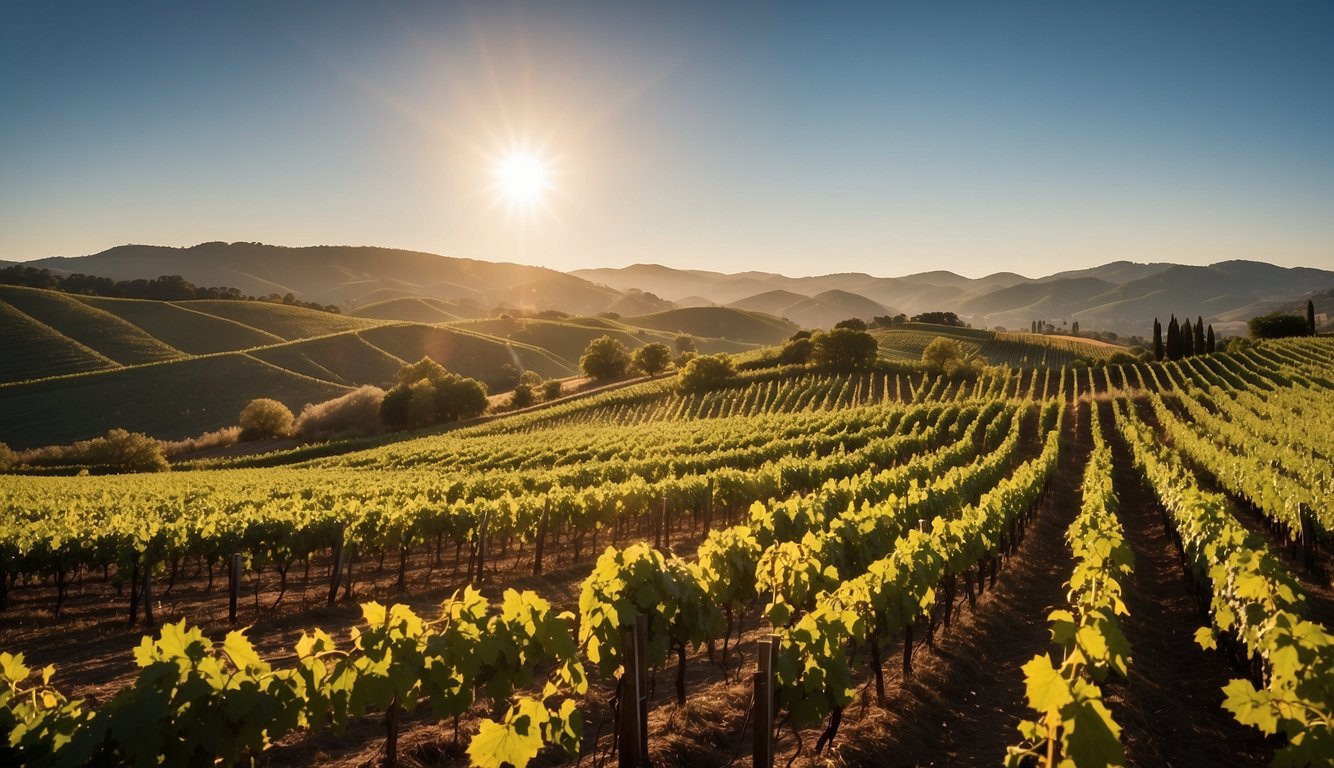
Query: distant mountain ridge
[[1121, 296]]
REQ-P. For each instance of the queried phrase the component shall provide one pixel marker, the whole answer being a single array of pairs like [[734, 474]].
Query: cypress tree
[[1209, 341], [1187, 339], [1157, 340], [1310, 317], [1173, 339], [1199, 335], [1074, 328]]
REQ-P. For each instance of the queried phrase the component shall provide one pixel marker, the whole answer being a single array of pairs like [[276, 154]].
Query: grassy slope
[[468, 353], [1013, 349], [100, 331], [408, 309], [191, 331], [346, 358], [171, 400], [33, 349], [281, 320], [718, 322]]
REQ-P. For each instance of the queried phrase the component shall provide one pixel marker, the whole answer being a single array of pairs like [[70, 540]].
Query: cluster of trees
[[1278, 325], [947, 356], [848, 347], [1182, 339], [424, 393], [118, 450], [606, 358], [1042, 326], [164, 288]]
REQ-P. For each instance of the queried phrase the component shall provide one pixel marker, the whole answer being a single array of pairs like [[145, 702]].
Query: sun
[[522, 179]]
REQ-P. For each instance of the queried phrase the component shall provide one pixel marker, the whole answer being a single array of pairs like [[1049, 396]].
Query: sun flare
[[522, 179]]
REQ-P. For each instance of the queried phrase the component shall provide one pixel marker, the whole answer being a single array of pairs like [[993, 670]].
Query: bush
[[119, 450], [522, 397], [844, 349], [265, 417], [1277, 325], [652, 358], [706, 372], [551, 390], [220, 438], [605, 358], [532, 378], [852, 323], [355, 414], [795, 352], [6, 457], [683, 344]]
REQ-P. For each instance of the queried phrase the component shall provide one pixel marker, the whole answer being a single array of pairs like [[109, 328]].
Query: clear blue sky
[[887, 138]]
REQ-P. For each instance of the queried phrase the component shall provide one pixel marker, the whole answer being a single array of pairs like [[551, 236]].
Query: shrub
[[354, 414], [118, 450], [421, 403], [652, 358], [1277, 326], [522, 396], [605, 358], [6, 457], [683, 344], [852, 323], [264, 417], [705, 372], [796, 352], [532, 378], [551, 390], [220, 438]]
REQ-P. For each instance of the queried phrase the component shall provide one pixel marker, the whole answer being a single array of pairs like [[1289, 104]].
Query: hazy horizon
[[888, 139]]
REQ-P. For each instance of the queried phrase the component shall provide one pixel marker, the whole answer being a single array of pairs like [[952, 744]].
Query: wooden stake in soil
[[632, 697], [233, 586], [336, 570], [541, 537], [763, 753]]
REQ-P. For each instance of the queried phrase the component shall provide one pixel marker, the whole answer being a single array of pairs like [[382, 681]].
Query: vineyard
[[1037, 566]]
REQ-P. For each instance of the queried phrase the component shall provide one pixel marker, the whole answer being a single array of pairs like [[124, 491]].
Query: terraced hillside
[[79, 365]]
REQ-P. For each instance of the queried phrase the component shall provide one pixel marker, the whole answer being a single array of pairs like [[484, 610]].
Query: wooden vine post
[[763, 713], [632, 697], [541, 538], [233, 586], [481, 550], [336, 568]]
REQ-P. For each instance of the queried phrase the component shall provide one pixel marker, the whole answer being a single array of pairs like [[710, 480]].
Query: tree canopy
[[844, 349], [605, 358]]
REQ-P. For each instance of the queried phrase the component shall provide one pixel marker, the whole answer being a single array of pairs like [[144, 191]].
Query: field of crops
[[1040, 566]]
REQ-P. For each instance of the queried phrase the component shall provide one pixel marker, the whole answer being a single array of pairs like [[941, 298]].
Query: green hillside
[[189, 330], [284, 321], [100, 331], [34, 350], [470, 354], [411, 309], [1013, 349], [175, 399], [718, 322], [345, 358]]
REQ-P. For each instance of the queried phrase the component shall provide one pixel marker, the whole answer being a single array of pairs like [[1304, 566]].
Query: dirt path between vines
[[1170, 710]]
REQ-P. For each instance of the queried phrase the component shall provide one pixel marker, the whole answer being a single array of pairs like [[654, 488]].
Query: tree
[[444, 396], [853, 323], [652, 358], [844, 349], [1277, 326], [1034, 328], [1209, 340], [1157, 340], [706, 372], [938, 318], [551, 389], [1310, 317], [1074, 328], [356, 413], [6, 456], [1199, 335], [683, 344], [264, 417], [942, 354], [531, 378], [605, 358], [1187, 339], [1173, 339]]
